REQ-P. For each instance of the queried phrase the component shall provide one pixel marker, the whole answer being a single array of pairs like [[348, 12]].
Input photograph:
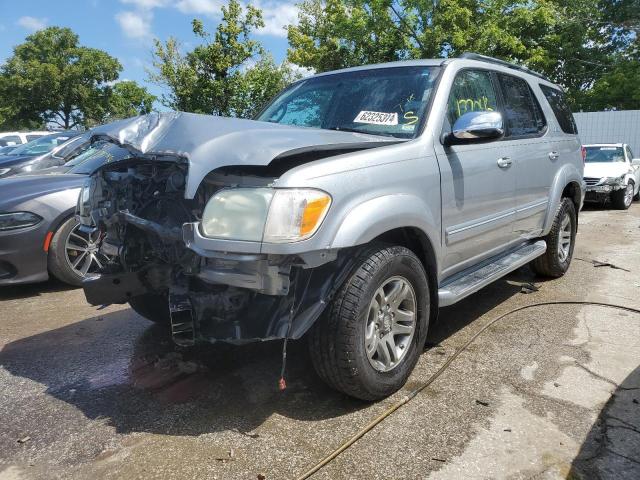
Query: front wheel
[[623, 198], [74, 254], [371, 337], [560, 242]]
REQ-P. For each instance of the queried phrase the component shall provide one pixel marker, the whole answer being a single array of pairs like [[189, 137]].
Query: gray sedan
[[39, 235]]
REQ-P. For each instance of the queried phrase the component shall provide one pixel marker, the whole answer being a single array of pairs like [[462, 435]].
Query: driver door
[[478, 180]]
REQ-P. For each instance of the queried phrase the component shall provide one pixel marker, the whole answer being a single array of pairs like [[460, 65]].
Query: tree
[[228, 74], [126, 99], [52, 79], [574, 42]]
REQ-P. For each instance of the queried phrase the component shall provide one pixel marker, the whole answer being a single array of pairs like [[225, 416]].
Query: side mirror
[[635, 162], [477, 126]]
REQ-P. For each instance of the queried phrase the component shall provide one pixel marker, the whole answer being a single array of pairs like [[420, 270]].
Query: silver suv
[[354, 206]]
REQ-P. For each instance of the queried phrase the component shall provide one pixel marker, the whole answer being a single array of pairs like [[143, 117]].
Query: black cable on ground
[[411, 395]]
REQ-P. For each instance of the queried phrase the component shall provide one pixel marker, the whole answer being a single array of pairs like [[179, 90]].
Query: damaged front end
[[150, 230], [200, 235]]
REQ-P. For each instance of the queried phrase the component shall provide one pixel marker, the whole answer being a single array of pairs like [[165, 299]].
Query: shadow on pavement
[[454, 318], [121, 368], [612, 447], [15, 292]]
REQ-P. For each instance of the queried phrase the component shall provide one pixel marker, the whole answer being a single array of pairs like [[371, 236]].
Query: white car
[[611, 173], [19, 138]]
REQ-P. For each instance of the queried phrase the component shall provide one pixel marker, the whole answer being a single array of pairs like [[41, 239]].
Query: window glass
[[33, 137], [11, 140], [523, 115], [43, 144], [70, 146], [95, 156], [306, 107], [472, 91], [380, 101], [604, 155], [560, 108]]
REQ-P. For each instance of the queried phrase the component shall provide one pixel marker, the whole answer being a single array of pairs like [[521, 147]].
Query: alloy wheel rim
[[391, 323], [628, 194], [82, 253], [564, 241]]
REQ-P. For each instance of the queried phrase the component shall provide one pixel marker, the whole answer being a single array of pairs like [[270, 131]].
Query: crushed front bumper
[[228, 306]]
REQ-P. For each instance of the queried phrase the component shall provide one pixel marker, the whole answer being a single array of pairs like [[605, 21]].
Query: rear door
[[536, 160], [478, 181]]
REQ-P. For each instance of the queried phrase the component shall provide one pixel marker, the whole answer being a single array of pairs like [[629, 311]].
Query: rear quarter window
[[522, 111], [560, 108]]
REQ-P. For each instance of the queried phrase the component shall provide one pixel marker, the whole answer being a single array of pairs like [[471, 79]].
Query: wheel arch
[[419, 243], [566, 184], [59, 221]]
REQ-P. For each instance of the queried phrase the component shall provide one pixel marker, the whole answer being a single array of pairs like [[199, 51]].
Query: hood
[[21, 188], [605, 169], [208, 142]]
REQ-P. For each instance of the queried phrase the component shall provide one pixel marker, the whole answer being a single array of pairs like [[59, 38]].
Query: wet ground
[[548, 392]]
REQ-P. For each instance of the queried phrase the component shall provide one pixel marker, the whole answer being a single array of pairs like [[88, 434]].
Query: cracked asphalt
[[548, 392]]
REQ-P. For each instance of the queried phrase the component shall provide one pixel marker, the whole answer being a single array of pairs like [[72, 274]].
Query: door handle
[[554, 155], [504, 162]]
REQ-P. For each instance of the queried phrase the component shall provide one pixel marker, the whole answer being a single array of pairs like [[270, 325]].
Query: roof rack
[[497, 61]]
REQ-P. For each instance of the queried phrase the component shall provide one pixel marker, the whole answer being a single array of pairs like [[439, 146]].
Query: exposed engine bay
[[144, 220]]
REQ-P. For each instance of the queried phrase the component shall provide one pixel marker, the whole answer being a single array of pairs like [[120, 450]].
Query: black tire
[[153, 307], [619, 198], [553, 263], [337, 340], [58, 262]]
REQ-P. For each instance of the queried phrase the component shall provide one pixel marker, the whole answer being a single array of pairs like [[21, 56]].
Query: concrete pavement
[[549, 392]]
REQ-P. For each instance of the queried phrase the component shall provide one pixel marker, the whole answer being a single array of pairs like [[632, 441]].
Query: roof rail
[[497, 61]]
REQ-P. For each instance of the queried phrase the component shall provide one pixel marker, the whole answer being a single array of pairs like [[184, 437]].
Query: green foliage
[[216, 76], [574, 42], [127, 99], [52, 79]]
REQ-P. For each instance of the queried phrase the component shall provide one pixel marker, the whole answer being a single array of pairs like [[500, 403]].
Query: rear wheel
[[371, 337], [73, 254], [623, 198], [560, 242], [152, 306]]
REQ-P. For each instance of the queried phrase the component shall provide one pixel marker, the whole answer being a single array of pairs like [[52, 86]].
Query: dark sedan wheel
[[73, 254]]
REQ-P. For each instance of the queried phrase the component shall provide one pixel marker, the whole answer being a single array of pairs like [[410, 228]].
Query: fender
[[374, 217], [567, 174]]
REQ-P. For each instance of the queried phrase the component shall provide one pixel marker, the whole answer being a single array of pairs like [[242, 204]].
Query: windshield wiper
[[355, 130]]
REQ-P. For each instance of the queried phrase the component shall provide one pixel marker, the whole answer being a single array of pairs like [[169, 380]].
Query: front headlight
[[619, 181], [15, 220], [265, 214]]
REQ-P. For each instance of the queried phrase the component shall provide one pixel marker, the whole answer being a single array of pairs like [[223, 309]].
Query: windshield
[[382, 101], [604, 154], [95, 156], [42, 145]]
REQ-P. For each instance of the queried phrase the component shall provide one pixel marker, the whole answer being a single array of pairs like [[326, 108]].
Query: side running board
[[470, 281]]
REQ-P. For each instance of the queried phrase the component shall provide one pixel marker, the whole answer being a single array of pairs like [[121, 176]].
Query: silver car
[[354, 206]]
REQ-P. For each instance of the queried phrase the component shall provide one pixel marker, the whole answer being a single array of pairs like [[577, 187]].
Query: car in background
[[611, 173], [39, 234], [20, 138], [50, 151]]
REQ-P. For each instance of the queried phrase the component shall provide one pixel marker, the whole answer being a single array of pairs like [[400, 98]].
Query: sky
[[126, 28]]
